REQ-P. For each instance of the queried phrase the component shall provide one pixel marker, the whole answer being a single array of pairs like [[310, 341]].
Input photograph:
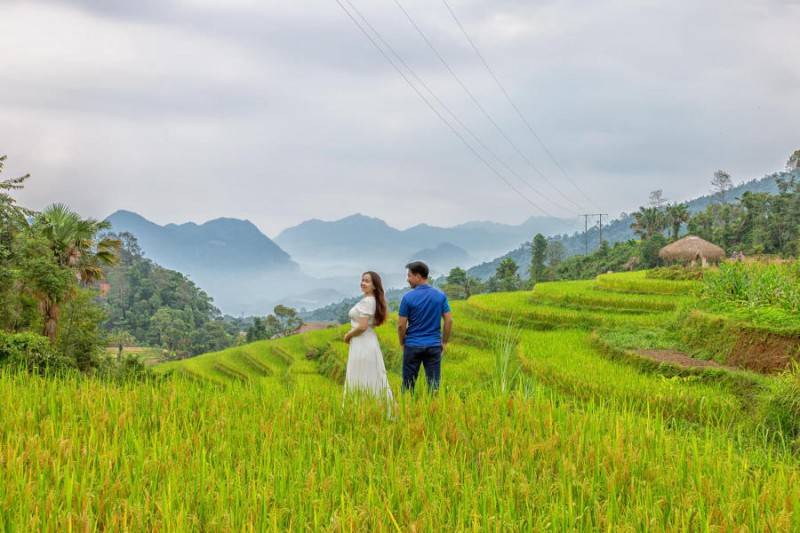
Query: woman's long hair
[[380, 298]]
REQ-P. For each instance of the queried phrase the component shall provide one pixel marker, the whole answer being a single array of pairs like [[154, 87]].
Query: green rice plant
[[499, 307], [638, 282], [781, 405], [566, 360], [585, 295], [83, 454]]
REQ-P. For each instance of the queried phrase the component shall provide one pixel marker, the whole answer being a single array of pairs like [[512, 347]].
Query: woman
[[365, 368]]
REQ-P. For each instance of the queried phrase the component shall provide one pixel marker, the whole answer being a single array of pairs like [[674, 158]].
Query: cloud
[[280, 112]]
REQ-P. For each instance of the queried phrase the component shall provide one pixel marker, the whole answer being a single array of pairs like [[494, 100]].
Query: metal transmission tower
[[586, 228]]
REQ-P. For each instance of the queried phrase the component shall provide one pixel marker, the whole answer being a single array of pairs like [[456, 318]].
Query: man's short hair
[[419, 268]]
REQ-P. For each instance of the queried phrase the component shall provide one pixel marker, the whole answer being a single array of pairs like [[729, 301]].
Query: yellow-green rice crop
[[81, 454], [260, 437]]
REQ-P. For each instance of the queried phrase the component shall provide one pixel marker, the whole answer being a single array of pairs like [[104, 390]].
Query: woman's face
[[367, 287]]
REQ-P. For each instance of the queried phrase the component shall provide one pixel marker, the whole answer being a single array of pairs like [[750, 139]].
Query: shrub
[[31, 352]]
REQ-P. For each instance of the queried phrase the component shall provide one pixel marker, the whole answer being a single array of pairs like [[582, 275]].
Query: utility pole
[[586, 228], [601, 215]]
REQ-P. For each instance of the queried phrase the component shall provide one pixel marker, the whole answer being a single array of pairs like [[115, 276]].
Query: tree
[[657, 199], [720, 184], [556, 253], [506, 277], [74, 245], [647, 222], [539, 251], [677, 215], [287, 320], [257, 331], [794, 161], [650, 248], [172, 330]]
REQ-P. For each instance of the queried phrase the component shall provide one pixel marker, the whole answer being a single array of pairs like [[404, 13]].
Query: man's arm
[[448, 327], [402, 328]]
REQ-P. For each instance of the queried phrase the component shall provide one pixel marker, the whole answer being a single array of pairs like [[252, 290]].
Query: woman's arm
[[363, 324]]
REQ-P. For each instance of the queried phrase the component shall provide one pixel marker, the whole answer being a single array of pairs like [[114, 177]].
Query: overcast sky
[[283, 111]]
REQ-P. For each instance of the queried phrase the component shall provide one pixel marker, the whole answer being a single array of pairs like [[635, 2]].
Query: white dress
[[365, 368]]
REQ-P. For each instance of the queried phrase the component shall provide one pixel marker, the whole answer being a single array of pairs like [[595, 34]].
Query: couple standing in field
[[424, 313]]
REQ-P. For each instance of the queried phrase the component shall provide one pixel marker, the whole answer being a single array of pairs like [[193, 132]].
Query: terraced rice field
[[535, 429]]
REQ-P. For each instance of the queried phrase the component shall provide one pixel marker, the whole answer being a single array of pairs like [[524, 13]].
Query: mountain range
[[316, 262], [358, 241]]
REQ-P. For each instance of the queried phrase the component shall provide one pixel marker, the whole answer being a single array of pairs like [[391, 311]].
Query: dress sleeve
[[366, 307]]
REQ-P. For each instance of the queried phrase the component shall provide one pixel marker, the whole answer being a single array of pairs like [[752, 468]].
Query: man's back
[[424, 307]]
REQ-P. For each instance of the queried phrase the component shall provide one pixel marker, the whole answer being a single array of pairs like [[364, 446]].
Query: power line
[[586, 229], [513, 105], [480, 106], [447, 109], [437, 113]]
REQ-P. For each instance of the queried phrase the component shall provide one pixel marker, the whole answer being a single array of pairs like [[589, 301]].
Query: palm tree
[[647, 222], [677, 214], [73, 242]]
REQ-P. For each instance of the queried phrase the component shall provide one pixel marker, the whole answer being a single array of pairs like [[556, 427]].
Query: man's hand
[[402, 328], [444, 347]]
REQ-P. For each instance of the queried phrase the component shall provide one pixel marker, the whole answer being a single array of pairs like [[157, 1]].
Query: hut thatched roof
[[690, 248]]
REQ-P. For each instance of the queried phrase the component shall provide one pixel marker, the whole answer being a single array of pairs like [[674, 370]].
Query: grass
[[536, 427]]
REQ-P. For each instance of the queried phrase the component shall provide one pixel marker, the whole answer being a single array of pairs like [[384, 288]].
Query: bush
[[650, 248], [31, 352]]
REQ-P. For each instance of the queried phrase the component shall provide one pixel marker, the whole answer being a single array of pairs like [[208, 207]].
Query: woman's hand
[[347, 338]]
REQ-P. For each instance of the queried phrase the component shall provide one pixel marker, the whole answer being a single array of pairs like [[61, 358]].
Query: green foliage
[[460, 286], [506, 277], [161, 307], [607, 258], [31, 352], [80, 337], [282, 322], [649, 221], [649, 250], [538, 255], [759, 223], [677, 215]]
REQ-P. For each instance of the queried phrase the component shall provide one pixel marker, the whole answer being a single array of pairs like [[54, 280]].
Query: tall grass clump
[[506, 376], [765, 294], [782, 404], [754, 285]]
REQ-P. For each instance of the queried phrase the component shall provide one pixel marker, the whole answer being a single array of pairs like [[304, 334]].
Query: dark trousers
[[428, 356]]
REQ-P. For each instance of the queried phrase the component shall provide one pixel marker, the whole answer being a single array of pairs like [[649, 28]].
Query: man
[[420, 328]]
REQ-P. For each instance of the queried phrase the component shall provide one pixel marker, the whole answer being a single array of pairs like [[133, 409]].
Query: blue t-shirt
[[424, 307]]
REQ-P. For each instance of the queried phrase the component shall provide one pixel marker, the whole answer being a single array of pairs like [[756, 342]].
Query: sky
[[278, 112]]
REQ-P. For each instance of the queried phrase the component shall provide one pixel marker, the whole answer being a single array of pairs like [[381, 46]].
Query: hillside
[[619, 230]]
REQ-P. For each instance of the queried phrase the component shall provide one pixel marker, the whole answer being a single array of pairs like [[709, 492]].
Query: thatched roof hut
[[692, 249]]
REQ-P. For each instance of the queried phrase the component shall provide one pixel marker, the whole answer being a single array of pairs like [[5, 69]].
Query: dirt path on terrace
[[679, 359]]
